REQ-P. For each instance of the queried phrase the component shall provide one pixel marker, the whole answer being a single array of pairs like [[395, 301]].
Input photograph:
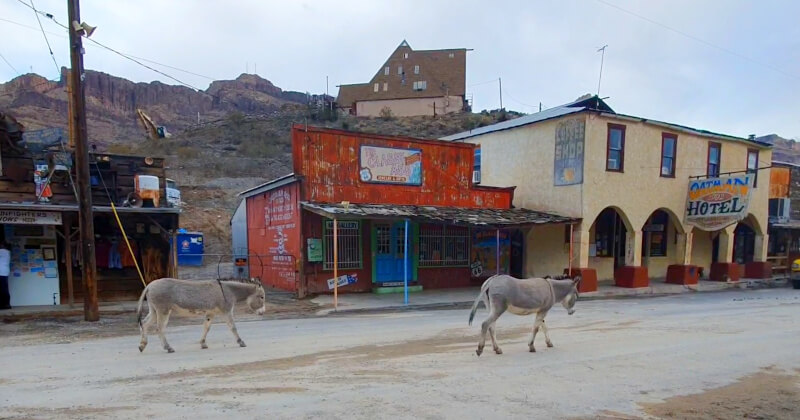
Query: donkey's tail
[[139, 306], [483, 295]]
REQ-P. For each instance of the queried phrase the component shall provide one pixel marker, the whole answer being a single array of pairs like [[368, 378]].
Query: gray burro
[[523, 297], [202, 297]]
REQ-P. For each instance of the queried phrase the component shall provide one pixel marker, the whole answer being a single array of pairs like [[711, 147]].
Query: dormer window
[[405, 55], [386, 71]]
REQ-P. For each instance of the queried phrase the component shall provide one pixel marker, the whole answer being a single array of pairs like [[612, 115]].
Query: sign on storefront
[[314, 250], [386, 165], [715, 203], [24, 217], [342, 280], [568, 161]]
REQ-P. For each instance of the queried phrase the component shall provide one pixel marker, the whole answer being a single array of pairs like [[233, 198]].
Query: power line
[[130, 55], [9, 64], [484, 83], [702, 41], [47, 41]]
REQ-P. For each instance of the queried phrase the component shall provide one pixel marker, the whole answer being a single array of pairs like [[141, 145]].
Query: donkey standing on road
[[523, 297], [207, 297]]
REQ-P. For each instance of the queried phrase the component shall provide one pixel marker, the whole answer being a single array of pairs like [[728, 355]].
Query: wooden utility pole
[[91, 311]]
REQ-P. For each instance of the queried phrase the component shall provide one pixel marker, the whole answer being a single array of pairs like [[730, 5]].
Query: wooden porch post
[[335, 264], [68, 257]]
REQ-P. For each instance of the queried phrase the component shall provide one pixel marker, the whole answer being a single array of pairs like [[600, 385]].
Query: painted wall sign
[[23, 217], [343, 280], [386, 165], [568, 160], [715, 203]]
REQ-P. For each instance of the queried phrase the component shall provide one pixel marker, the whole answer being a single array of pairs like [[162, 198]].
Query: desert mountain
[[112, 102]]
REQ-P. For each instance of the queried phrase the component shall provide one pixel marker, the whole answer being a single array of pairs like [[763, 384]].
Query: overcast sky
[[746, 82]]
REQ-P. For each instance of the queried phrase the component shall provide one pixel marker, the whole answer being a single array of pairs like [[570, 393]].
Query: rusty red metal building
[[373, 187]]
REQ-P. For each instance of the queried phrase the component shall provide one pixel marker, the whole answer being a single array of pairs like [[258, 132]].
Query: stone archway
[[661, 246], [610, 245]]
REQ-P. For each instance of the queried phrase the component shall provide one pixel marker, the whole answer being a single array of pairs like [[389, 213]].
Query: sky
[[729, 66]]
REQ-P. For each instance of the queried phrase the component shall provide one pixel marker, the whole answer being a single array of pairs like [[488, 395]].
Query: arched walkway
[[744, 240], [608, 242], [659, 242]]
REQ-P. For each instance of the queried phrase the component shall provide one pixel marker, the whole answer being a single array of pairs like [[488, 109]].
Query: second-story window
[[385, 86], [386, 70], [400, 70], [752, 165], [416, 69], [669, 143], [714, 158], [615, 154], [376, 87]]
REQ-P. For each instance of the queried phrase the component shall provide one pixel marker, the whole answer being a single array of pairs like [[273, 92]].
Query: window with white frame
[[443, 246], [400, 70], [348, 237], [386, 71], [375, 88], [416, 69], [420, 85], [385, 86], [452, 55], [405, 55]]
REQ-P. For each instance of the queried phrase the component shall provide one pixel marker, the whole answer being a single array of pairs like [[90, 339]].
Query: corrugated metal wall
[[329, 162]]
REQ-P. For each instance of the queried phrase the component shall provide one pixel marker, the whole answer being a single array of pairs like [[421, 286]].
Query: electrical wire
[[700, 40], [47, 41], [9, 65]]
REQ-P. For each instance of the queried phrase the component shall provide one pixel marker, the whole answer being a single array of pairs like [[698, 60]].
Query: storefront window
[[348, 244], [443, 246]]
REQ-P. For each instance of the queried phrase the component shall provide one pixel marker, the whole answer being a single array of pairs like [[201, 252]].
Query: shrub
[[386, 114]]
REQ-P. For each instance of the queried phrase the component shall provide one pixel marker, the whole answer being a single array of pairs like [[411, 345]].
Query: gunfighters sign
[[715, 203]]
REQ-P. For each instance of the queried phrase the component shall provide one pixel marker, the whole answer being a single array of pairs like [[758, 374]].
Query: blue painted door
[[390, 252]]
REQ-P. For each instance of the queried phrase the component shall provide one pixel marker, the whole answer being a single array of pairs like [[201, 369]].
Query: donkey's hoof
[[479, 352], [549, 344], [498, 350], [532, 349], [203, 346], [170, 350], [141, 348], [242, 344]]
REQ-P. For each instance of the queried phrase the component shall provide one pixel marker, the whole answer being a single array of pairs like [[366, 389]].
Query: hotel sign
[[23, 217], [386, 165], [715, 203]]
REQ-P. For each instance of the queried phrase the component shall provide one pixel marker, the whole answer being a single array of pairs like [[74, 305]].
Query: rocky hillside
[[784, 150], [112, 103]]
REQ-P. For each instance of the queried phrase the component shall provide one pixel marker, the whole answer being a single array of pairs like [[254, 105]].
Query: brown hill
[[112, 103]]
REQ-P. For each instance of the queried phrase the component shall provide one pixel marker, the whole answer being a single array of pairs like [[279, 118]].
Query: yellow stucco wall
[[410, 107], [523, 157], [546, 251]]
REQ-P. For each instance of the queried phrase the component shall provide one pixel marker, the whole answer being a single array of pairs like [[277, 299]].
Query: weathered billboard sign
[[387, 165], [715, 203], [568, 161]]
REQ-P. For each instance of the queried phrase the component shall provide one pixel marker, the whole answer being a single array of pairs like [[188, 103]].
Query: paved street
[[611, 359]]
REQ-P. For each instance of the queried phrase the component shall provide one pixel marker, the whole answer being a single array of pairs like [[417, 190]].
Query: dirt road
[[720, 355]]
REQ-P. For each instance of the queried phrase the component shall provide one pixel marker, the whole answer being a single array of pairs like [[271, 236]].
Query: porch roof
[[483, 217], [97, 209]]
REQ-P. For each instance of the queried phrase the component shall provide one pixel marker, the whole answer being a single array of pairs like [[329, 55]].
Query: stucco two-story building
[[628, 179]]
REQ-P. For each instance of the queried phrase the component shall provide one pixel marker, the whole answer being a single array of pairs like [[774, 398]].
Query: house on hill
[[409, 83]]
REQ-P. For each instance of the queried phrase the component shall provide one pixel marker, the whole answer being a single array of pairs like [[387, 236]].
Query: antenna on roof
[[602, 58]]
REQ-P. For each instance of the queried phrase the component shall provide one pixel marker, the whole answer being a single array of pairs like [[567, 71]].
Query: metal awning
[[481, 217]]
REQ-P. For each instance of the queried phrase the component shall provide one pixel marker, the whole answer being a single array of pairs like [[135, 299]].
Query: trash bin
[[190, 248]]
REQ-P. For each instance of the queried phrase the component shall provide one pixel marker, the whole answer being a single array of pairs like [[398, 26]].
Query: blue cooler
[[190, 248]]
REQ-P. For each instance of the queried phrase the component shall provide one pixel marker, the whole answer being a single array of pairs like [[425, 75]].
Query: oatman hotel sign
[[715, 203]]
